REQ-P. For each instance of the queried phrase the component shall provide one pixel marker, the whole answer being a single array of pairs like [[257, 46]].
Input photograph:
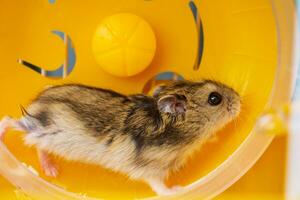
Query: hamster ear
[[157, 90], [172, 103]]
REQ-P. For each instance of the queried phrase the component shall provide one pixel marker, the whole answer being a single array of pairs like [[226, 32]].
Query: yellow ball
[[124, 44]]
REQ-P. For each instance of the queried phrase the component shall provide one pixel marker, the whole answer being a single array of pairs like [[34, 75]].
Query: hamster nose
[[230, 107]]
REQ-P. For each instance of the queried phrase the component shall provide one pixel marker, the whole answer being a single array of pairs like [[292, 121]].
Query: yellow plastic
[[124, 44], [241, 50]]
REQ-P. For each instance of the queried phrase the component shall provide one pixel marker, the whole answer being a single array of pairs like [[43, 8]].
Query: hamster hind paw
[[161, 189], [170, 191]]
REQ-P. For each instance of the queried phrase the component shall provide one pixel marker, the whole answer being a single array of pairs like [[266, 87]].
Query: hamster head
[[216, 102], [209, 103]]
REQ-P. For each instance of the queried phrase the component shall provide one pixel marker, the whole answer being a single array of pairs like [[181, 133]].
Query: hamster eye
[[214, 98]]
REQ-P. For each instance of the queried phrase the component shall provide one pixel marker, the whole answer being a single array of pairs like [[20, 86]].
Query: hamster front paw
[[50, 170], [48, 166]]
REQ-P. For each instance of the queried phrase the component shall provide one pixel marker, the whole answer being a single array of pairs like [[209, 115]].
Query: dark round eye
[[214, 98]]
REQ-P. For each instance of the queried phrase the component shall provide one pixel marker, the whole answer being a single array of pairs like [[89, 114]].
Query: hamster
[[143, 137]]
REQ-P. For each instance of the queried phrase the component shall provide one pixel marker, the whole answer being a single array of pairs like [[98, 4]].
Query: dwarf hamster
[[144, 137]]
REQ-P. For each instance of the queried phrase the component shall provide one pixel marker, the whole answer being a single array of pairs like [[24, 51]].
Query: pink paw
[[176, 188], [4, 124], [50, 169], [170, 191], [47, 165]]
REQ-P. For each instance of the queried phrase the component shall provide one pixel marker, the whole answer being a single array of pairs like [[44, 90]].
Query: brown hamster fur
[[142, 136]]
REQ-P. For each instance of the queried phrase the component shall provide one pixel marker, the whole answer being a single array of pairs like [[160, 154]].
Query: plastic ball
[[124, 44]]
